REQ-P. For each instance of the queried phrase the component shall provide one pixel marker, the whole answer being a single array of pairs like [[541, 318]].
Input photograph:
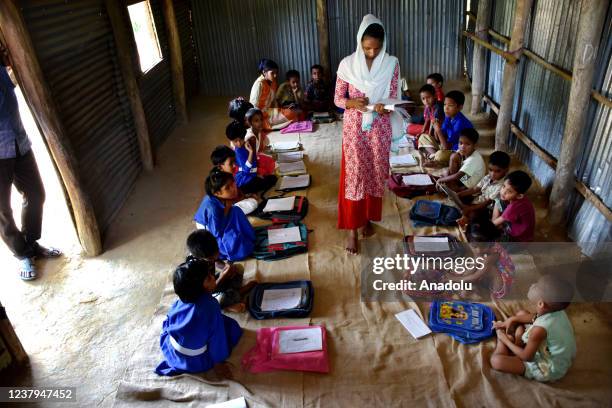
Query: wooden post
[[120, 23], [11, 341], [38, 95], [592, 15], [176, 62], [502, 130], [323, 30], [479, 64]]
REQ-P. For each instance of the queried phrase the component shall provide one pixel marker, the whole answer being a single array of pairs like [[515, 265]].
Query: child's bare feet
[[236, 308], [246, 288], [368, 230], [352, 242]]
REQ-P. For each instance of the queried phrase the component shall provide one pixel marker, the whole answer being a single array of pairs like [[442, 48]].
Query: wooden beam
[[479, 61], [323, 31], [502, 130], [120, 22], [176, 62], [11, 341], [38, 95], [582, 188], [506, 55], [592, 16]]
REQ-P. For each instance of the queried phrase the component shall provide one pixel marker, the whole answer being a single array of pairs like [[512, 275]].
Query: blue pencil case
[[466, 322]]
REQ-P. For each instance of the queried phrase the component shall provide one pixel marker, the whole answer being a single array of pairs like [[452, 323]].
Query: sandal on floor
[[27, 270], [42, 252]]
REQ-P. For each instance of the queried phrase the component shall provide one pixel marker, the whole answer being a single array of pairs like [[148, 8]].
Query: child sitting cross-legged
[[540, 345], [229, 289], [196, 336], [318, 96], [290, 94], [229, 225], [513, 212], [247, 179], [466, 167]]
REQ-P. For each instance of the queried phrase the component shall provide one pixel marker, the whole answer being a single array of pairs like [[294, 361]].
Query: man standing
[[18, 167]]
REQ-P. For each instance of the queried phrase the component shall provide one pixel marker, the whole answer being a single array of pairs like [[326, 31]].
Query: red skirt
[[356, 214], [414, 129]]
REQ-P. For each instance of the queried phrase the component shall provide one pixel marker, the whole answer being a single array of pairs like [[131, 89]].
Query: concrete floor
[[79, 320]]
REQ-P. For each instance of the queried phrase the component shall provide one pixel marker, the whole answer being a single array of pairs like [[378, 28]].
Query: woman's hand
[[380, 109], [358, 103]]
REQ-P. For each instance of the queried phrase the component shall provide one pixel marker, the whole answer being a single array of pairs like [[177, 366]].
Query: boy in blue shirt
[[445, 139]]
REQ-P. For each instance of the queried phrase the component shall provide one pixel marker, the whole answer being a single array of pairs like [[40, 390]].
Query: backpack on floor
[[266, 252], [303, 308], [456, 248], [400, 189], [425, 212], [466, 322], [299, 211], [428, 276]]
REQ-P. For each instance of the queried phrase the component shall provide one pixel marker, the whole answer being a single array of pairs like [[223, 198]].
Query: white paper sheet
[[288, 157], [282, 235], [280, 204], [285, 146], [413, 323], [281, 299], [235, 403], [431, 244], [292, 168], [417, 180], [390, 104], [300, 340], [288, 182], [402, 160], [404, 142]]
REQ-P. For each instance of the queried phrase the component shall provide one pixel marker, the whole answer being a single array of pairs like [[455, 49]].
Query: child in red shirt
[[517, 215], [437, 80]]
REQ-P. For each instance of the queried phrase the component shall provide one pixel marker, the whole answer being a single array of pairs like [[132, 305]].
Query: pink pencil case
[[298, 127]]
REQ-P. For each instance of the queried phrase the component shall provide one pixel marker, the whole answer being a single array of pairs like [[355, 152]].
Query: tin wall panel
[[182, 9], [156, 86], [232, 36], [424, 35], [74, 43]]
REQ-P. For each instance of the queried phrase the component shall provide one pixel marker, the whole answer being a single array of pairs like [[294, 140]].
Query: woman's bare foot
[[246, 288], [236, 308], [352, 242], [368, 230]]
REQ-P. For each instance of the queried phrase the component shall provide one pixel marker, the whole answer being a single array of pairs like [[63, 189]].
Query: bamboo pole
[[479, 62], [38, 95], [176, 62], [506, 55], [323, 31], [120, 22], [592, 15], [502, 129]]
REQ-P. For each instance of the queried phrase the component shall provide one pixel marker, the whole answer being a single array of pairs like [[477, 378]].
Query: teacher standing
[[368, 76]]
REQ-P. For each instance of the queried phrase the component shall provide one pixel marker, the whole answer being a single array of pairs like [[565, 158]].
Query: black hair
[[519, 180], [216, 180], [483, 231], [235, 130], [436, 77], [266, 65], [316, 66], [202, 244], [470, 133], [428, 88], [500, 159], [456, 96], [252, 112], [375, 31], [189, 277], [221, 154], [238, 107], [292, 73]]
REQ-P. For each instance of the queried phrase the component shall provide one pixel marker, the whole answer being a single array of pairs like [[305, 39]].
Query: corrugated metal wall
[[540, 105], [182, 9], [75, 46], [424, 35], [156, 86], [231, 36]]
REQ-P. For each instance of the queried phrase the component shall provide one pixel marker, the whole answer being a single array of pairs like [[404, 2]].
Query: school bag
[[466, 322], [426, 212], [299, 211], [266, 252], [400, 189], [266, 356], [428, 276], [303, 308]]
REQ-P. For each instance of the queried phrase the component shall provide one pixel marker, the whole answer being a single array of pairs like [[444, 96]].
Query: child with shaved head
[[540, 346]]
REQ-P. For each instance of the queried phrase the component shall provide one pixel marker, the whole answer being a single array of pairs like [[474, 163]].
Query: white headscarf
[[374, 82]]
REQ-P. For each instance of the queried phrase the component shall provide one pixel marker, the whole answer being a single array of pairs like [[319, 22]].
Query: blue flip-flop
[[27, 271]]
